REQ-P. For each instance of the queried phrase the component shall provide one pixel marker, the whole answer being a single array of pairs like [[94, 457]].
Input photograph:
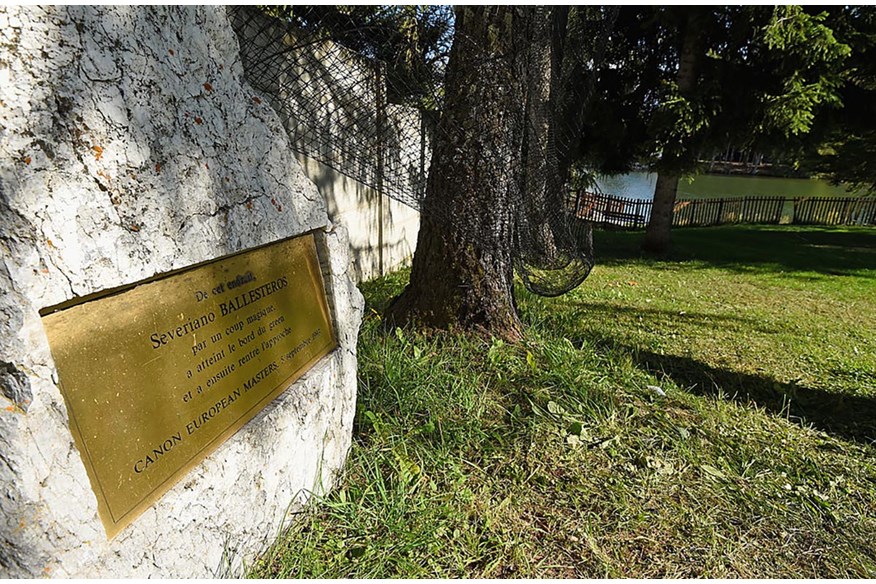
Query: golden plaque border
[[114, 519]]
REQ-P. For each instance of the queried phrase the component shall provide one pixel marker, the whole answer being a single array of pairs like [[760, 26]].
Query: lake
[[640, 185]]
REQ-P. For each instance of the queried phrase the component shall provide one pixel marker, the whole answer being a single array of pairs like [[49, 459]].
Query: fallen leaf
[[711, 470], [208, 87], [198, 120]]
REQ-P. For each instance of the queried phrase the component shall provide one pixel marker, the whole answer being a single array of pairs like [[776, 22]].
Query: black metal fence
[[704, 212], [611, 211], [624, 213], [847, 211]]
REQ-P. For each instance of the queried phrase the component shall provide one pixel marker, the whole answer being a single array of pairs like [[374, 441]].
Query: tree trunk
[[541, 182], [462, 273], [657, 234], [660, 224]]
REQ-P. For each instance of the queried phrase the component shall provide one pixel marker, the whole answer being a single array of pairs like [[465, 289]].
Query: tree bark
[[657, 233], [657, 239], [542, 181], [462, 272]]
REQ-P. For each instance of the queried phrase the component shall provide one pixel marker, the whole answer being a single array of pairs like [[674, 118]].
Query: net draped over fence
[[341, 108], [333, 103]]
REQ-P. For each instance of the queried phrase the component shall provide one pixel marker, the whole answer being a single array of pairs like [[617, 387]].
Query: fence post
[[381, 113], [845, 214]]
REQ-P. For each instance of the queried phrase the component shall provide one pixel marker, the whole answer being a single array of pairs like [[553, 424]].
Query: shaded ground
[[811, 250]]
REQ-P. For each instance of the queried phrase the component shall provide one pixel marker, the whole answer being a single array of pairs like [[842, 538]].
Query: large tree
[[676, 154], [462, 272], [515, 85]]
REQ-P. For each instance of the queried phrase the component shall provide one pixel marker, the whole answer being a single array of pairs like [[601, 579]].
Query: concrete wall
[[382, 231], [131, 145]]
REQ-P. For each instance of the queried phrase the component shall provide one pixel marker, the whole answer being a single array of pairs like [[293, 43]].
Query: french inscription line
[[243, 336]]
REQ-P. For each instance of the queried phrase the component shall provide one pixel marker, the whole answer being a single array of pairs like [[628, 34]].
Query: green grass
[[554, 458]]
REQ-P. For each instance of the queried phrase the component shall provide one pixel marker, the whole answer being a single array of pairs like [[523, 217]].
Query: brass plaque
[[155, 377]]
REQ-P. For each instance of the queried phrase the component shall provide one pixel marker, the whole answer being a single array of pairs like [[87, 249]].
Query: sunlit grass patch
[[708, 414]]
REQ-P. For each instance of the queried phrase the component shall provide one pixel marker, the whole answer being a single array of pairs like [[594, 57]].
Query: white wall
[[382, 231]]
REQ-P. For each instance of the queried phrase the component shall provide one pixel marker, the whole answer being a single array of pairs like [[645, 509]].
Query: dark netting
[[336, 104], [554, 246], [361, 93]]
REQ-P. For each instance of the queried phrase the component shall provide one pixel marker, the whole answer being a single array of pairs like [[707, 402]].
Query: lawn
[[712, 414]]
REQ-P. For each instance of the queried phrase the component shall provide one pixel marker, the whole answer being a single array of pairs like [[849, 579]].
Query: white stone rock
[[116, 164]]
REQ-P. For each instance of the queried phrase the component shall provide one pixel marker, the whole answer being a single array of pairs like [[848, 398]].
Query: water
[[640, 185]]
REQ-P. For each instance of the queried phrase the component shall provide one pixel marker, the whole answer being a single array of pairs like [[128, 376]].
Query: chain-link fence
[[352, 112], [333, 103]]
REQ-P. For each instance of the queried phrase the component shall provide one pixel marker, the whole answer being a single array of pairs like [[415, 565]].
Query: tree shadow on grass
[[706, 321], [843, 415], [831, 251]]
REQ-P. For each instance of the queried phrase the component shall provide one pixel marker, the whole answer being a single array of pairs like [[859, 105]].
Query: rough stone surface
[[130, 145]]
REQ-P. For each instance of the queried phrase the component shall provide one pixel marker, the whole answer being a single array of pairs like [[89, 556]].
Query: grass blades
[[711, 414]]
